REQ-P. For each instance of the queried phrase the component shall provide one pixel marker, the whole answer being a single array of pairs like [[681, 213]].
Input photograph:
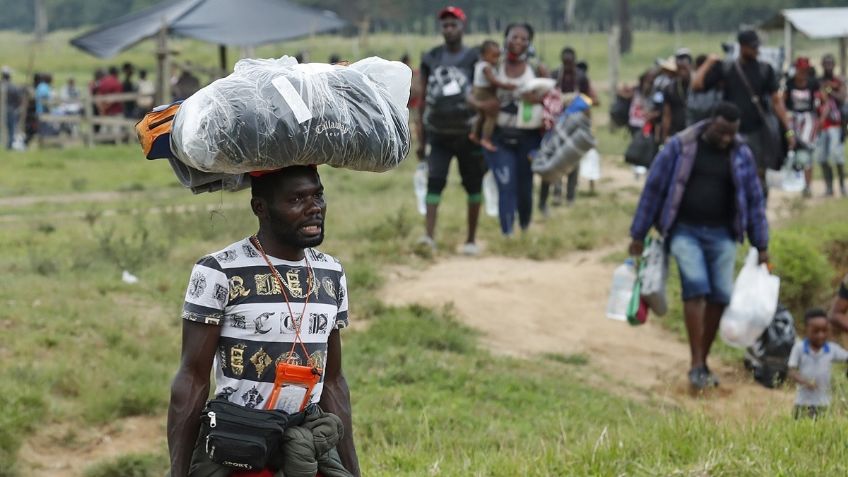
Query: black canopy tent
[[222, 22]]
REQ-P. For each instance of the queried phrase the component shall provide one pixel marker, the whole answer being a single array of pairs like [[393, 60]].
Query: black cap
[[748, 38]]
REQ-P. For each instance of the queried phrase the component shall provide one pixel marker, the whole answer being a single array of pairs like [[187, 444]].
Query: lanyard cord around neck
[[295, 322]]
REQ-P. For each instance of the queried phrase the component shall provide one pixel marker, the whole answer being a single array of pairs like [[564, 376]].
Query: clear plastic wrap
[[276, 113], [563, 147]]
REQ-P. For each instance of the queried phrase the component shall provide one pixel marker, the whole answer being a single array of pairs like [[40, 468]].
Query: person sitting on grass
[[809, 365], [486, 85]]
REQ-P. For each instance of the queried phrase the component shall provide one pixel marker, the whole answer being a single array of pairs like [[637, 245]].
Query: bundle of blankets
[[567, 140], [273, 113]]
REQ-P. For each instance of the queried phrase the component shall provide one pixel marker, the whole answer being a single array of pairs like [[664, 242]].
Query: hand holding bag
[[637, 309], [753, 304], [654, 275]]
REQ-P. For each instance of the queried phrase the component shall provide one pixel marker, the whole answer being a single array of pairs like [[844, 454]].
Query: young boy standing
[[809, 365]]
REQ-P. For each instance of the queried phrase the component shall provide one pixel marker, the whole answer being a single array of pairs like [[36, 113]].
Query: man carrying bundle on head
[[262, 301]]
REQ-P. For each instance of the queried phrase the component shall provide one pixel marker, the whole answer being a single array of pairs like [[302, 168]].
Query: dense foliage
[[417, 15]]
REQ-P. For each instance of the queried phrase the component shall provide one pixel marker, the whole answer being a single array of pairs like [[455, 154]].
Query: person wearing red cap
[[268, 298], [447, 73], [801, 102]]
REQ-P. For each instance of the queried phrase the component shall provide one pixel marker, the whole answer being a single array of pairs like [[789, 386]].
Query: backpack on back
[[446, 110]]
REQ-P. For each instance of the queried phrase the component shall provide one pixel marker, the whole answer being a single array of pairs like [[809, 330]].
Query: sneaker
[[543, 209], [712, 379], [427, 241], [471, 249], [698, 378]]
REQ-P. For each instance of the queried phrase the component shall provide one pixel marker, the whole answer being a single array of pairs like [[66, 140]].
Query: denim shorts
[[706, 258]]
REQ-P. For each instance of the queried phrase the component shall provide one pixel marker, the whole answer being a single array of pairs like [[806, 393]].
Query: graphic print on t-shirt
[[235, 289]]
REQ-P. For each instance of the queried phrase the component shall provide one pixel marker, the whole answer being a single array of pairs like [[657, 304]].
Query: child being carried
[[486, 84]]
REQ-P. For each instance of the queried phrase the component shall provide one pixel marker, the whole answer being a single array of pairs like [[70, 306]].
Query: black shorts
[[469, 156]]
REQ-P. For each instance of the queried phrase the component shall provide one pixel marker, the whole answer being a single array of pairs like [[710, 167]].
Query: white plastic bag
[[590, 165], [753, 304], [419, 183], [654, 276], [490, 194], [273, 113]]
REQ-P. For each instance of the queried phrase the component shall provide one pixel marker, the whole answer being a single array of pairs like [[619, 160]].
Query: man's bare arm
[[189, 392], [701, 73], [335, 399]]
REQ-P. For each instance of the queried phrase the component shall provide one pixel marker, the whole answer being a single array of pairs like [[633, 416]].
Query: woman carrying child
[[518, 130]]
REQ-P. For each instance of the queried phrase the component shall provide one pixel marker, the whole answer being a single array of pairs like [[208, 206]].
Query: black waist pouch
[[243, 438]]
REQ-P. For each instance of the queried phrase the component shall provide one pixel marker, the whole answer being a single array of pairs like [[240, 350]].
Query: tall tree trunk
[[568, 18], [364, 27], [40, 29], [626, 34]]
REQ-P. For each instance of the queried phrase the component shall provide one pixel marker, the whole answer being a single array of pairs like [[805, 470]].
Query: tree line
[[417, 16]]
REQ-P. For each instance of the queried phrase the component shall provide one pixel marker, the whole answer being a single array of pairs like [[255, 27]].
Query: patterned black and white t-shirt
[[235, 289]]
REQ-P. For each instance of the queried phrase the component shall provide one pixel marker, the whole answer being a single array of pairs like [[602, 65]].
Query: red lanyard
[[309, 274]]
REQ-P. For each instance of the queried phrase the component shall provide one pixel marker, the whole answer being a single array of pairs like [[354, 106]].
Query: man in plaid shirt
[[703, 196]]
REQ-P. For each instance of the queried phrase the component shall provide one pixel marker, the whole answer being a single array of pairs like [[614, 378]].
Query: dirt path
[[61, 449], [527, 308]]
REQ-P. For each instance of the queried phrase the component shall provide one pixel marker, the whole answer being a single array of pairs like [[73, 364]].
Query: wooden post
[[614, 61], [163, 80], [842, 54], [4, 138], [787, 42], [222, 59], [86, 126]]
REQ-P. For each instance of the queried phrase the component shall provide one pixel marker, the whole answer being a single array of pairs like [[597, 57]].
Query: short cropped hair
[[265, 185], [814, 313], [489, 44], [727, 110]]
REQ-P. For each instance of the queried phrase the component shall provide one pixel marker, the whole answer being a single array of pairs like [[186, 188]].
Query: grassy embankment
[[89, 349]]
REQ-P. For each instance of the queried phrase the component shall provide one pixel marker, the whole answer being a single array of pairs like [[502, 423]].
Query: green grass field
[[57, 56], [89, 349], [83, 348]]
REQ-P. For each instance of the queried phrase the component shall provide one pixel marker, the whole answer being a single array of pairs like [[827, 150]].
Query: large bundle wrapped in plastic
[[563, 147], [275, 113]]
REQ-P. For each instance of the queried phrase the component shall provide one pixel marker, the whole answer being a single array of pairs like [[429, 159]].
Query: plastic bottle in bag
[[623, 280], [490, 194], [419, 182]]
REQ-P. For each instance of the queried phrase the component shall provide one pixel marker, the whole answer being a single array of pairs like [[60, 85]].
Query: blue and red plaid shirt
[[663, 192]]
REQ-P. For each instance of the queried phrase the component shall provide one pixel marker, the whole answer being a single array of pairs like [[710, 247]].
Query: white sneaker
[[427, 241], [471, 249]]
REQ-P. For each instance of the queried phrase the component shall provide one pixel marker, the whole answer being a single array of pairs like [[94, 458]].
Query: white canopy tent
[[814, 23]]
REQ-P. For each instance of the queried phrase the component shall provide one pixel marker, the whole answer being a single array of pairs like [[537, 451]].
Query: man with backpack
[[447, 72], [752, 86]]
